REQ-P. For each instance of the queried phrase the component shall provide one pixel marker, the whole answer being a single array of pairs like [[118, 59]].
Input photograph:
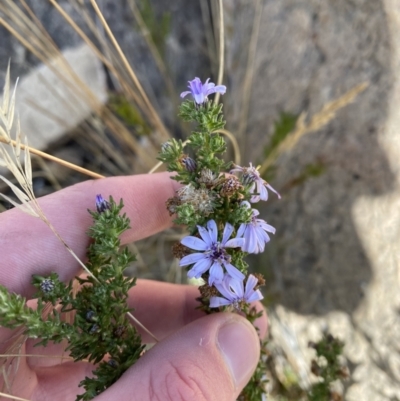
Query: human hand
[[198, 358]]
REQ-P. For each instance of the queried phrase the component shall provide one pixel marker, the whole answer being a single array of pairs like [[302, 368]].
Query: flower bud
[[188, 163], [94, 329], [101, 204], [47, 285], [90, 315], [166, 146], [113, 363], [231, 186]]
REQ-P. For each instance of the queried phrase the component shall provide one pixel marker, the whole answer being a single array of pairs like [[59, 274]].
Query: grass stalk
[[157, 121], [221, 48], [316, 122]]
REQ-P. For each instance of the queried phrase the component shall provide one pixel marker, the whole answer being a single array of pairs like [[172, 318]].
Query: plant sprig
[[100, 330]]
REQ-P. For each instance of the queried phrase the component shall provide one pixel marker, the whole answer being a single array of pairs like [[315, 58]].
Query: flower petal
[[224, 289], [234, 272], [205, 235], [216, 273], [256, 296], [216, 302], [255, 199], [221, 89], [212, 230], [250, 245], [199, 268], [237, 287], [250, 284], [235, 243], [194, 243], [263, 191], [266, 227], [228, 230], [242, 230], [195, 86], [199, 98], [192, 258], [183, 94], [273, 190]]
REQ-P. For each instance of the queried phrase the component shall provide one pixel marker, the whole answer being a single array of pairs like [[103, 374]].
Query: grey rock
[[334, 262], [310, 53], [49, 106]]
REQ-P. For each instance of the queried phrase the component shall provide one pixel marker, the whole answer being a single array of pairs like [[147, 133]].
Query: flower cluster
[[215, 203]]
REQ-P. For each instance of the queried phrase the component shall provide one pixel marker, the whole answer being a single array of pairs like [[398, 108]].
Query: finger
[[60, 382], [162, 308], [210, 359], [27, 246]]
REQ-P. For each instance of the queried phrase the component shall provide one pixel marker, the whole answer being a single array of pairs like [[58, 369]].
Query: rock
[[48, 106], [308, 54], [334, 261]]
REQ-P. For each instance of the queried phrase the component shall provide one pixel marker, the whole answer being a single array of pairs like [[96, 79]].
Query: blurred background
[[313, 98]]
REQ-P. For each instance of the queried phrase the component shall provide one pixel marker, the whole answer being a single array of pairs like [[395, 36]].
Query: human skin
[[198, 357]]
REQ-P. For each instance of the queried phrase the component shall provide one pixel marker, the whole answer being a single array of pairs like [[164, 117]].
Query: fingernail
[[240, 348]]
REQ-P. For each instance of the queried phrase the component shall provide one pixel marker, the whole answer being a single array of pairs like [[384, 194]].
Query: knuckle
[[174, 383]]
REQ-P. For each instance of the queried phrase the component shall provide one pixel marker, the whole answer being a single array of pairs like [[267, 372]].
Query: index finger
[[27, 246]]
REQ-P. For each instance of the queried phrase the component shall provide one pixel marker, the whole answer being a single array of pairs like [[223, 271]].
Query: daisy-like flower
[[234, 292], [255, 233], [213, 255], [258, 186], [200, 91]]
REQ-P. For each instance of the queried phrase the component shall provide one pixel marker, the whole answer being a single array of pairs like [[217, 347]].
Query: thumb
[[211, 358]]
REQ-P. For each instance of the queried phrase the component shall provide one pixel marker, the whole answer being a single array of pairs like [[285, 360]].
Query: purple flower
[[258, 186], [214, 256], [234, 292], [255, 233], [200, 91], [101, 204]]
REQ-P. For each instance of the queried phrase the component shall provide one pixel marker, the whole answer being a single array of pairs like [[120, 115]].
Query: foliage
[[100, 331], [128, 113], [256, 386], [282, 128], [159, 28], [327, 367]]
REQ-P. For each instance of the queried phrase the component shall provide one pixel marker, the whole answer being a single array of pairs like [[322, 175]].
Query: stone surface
[[49, 106], [336, 252], [308, 54]]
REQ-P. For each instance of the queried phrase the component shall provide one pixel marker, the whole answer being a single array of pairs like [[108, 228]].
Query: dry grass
[[10, 157], [316, 122]]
